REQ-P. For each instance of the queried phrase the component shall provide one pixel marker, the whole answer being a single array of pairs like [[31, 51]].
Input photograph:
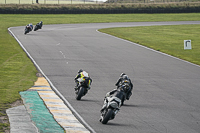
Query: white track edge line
[[149, 48]]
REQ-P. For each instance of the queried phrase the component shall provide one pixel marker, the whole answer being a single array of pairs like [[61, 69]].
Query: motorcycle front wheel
[[36, 28], [107, 116], [26, 31], [80, 93]]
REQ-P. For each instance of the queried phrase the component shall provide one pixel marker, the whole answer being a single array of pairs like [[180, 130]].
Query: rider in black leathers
[[125, 79], [40, 24]]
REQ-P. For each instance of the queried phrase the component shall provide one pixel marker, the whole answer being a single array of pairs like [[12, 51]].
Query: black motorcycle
[[126, 90], [38, 26], [81, 90], [28, 29]]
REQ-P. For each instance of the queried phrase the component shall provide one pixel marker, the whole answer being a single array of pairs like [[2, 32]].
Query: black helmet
[[122, 74], [80, 71]]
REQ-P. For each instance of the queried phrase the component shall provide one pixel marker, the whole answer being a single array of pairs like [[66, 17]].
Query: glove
[[107, 94]]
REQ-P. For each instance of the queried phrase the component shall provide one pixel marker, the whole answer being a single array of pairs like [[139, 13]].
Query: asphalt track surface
[[166, 91]]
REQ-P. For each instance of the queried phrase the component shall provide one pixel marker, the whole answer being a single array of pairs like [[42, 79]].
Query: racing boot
[[76, 89], [101, 118]]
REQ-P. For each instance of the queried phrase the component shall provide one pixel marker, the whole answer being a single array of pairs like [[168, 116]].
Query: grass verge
[[167, 39], [18, 72]]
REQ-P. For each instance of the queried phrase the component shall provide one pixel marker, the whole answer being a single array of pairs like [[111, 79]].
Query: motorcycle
[[38, 26], [28, 29], [111, 109], [82, 89]]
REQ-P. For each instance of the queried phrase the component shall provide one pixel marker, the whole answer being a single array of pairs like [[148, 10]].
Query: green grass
[[19, 74], [167, 39], [15, 19]]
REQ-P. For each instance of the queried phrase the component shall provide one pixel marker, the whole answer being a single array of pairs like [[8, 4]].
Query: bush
[[100, 8]]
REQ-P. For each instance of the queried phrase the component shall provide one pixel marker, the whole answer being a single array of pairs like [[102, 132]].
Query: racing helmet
[[79, 71], [122, 74], [125, 77]]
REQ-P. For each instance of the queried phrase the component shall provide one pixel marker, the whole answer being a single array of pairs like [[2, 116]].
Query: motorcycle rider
[[82, 76], [125, 80], [114, 93], [40, 25], [30, 26]]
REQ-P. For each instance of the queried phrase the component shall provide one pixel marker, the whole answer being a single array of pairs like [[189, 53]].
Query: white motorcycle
[[111, 108]]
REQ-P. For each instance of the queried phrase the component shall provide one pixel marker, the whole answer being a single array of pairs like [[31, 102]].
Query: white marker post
[[187, 44]]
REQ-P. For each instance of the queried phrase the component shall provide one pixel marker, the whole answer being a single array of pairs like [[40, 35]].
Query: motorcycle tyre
[[80, 93], [36, 28], [107, 116], [26, 31]]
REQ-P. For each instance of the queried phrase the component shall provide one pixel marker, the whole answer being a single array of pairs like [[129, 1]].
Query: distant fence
[[50, 1], [88, 1], [149, 1]]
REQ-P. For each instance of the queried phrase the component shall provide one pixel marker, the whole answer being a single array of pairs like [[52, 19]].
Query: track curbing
[[61, 113]]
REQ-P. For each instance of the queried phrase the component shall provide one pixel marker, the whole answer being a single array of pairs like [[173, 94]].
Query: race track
[[166, 91]]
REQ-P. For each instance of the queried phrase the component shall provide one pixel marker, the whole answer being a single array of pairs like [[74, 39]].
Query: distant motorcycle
[[81, 90], [38, 26], [113, 104], [28, 28]]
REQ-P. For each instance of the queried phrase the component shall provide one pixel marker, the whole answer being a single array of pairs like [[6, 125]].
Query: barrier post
[[187, 44]]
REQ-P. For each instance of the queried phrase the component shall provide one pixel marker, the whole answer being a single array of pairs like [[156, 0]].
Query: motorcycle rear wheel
[[26, 31]]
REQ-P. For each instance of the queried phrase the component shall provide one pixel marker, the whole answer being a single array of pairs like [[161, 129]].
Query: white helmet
[[122, 74]]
